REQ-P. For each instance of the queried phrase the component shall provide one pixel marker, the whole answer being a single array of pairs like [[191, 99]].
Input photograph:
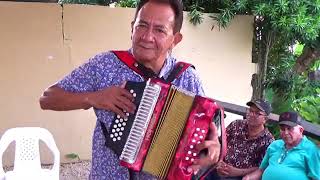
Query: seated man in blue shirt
[[292, 157]]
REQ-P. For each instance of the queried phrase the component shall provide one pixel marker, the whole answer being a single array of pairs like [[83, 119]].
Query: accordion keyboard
[[140, 123]]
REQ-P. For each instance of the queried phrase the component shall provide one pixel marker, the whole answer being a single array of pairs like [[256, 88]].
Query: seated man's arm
[[314, 164], [224, 169], [255, 175]]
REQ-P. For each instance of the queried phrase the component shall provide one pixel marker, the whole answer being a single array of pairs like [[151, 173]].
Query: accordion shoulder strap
[[178, 69], [147, 73], [137, 67]]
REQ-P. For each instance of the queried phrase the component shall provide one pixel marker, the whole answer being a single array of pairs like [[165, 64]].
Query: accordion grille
[[140, 123], [167, 135]]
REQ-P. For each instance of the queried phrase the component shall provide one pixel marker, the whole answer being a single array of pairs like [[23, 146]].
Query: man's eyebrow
[[142, 21], [157, 25]]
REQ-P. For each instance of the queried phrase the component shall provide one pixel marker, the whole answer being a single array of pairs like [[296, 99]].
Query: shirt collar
[[297, 147], [167, 66]]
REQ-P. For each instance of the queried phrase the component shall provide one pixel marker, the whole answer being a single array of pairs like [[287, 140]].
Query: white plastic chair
[[27, 163]]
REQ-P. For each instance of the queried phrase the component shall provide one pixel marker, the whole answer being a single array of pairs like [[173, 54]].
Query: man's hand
[[115, 99], [213, 146], [224, 169]]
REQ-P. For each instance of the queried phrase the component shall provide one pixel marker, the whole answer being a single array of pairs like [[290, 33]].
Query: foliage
[[309, 107], [195, 14], [73, 156], [127, 3], [91, 2]]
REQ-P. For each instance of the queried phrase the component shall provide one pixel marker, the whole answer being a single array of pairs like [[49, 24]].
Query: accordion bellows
[[168, 133], [161, 136]]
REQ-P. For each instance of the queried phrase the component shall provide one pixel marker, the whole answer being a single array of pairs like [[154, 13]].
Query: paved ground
[[71, 171]]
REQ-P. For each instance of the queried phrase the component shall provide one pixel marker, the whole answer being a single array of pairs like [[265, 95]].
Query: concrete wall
[[40, 43]]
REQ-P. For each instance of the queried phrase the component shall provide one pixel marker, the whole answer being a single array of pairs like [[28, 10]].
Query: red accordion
[[160, 137]]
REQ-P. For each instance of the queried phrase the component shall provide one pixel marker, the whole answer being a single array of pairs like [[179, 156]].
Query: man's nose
[[148, 34], [286, 131]]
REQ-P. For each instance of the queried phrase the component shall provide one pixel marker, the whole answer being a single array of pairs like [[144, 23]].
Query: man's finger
[[125, 104], [123, 85], [117, 110], [213, 133], [194, 168], [125, 93], [207, 144]]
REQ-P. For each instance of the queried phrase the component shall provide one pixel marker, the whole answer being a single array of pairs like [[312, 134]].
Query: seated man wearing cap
[[247, 142], [292, 157]]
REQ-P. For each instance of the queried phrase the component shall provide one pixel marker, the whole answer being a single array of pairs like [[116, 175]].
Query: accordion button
[[193, 140], [119, 125], [192, 159], [203, 131], [117, 129], [198, 142], [136, 64], [134, 95], [113, 130], [118, 116], [117, 121], [196, 135], [127, 114], [115, 126], [120, 133], [194, 154], [198, 129], [124, 124], [111, 135], [187, 158], [189, 152], [115, 134], [121, 120], [114, 139], [122, 128], [201, 137], [119, 138], [131, 91], [191, 146]]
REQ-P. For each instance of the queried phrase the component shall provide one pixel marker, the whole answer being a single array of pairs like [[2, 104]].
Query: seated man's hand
[[224, 169], [213, 146]]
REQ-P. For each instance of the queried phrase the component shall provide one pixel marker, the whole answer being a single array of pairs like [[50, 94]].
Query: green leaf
[[72, 156]]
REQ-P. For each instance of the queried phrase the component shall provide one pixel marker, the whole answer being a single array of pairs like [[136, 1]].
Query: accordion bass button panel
[[120, 126]]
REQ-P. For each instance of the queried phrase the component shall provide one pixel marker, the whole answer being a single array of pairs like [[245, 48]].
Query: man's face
[[255, 116], [291, 135], [152, 33]]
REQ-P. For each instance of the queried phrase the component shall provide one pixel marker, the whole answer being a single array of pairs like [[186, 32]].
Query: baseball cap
[[262, 105], [290, 118]]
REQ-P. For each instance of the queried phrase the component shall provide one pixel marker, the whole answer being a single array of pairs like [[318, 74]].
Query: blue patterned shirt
[[105, 70]]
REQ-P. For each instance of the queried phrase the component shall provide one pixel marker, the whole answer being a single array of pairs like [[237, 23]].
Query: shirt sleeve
[[190, 81], [265, 161], [314, 164], [81, 79], [232, 127]]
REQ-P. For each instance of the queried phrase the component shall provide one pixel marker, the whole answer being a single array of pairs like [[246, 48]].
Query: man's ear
[[132, 23], [177, 38], [301, 129]]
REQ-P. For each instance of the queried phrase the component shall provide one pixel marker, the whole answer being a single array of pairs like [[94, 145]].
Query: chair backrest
[[27, 155]]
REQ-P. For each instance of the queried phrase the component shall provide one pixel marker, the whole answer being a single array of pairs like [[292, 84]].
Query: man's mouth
[[148, 47]]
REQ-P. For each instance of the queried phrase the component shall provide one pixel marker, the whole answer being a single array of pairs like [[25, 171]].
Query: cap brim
[[258, 106], [288, 123]]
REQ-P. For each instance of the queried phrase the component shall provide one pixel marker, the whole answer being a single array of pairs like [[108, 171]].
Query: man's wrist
[[87, 101]]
